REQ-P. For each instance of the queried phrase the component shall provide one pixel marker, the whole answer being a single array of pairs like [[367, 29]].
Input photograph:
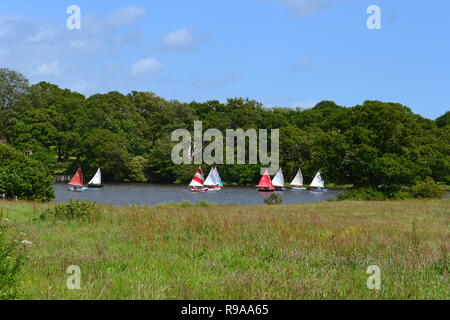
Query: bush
[[24, 177], [428, 189], [10, 264], [362, 194], [274, 198], [374, 194], [72, 210]]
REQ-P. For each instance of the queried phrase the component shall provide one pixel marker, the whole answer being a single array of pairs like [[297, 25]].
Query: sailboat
[[197, 183], [278, 181], [77, 182], [96, 181], [297, 183], [213, 181], [265, 184], [317, 185]]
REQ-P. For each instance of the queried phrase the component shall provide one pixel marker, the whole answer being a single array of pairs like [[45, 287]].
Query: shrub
[[428, 189], [274, 198], [11, 262], [23, 176], [72, 210], [374, 194], [362, 194]]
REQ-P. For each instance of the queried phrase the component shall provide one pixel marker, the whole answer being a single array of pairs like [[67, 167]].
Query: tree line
[[373, 144]]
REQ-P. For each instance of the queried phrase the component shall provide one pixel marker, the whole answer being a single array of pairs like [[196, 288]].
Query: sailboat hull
[[298, 188], [265, 190], [215, 188], [280, 188], [73, 189], [319, 190], [95, 186], [198, 189]]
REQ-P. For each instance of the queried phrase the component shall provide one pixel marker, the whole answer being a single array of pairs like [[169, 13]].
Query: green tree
[[443, 120], [23, 176], [136, 168], [107, 150], [13, 86]]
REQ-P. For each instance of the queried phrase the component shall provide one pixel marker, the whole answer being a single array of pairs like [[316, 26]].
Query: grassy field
[[305, 251]]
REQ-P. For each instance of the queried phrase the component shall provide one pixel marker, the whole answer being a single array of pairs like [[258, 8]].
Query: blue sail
[[218, 179]]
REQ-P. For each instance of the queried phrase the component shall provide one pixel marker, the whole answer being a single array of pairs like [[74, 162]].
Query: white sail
[[211, 180], [317, 181], [298, 179], [278, 180], [97, 179]]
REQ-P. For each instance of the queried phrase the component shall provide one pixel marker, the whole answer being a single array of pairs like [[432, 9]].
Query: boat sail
[[213, 181], [197, 183], [318, 184], [278, 181], [219, 180], [297, 183], [265, 184], [77, 181], [96, 181]]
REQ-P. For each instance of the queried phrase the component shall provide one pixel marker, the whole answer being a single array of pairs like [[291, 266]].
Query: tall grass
[[11, 261], [186, 251]]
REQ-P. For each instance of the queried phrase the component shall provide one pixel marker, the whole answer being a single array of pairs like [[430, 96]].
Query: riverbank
[[204, 251]]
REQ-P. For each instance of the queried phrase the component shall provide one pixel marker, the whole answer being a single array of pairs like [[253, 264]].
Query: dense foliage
[[427, 189], [23, 176], [369, 145]]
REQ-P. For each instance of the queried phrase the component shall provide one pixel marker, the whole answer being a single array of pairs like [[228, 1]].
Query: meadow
[[205, 251]]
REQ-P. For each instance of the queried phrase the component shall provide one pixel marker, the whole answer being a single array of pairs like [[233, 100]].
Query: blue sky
[[280, 52]]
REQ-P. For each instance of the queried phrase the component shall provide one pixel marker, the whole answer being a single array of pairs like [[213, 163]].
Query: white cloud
[[43, 34], [4, 31], [179, 38], [39, 48], [145, 67], [306, 7], [50, 69], [9, 26], [126, 16]]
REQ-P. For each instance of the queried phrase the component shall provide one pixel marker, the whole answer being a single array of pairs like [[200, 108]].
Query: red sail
[[198, 177], [77, 179], [265, 181]]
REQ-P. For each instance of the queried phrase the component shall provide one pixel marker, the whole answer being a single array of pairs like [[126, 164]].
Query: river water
[[124, 194]]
